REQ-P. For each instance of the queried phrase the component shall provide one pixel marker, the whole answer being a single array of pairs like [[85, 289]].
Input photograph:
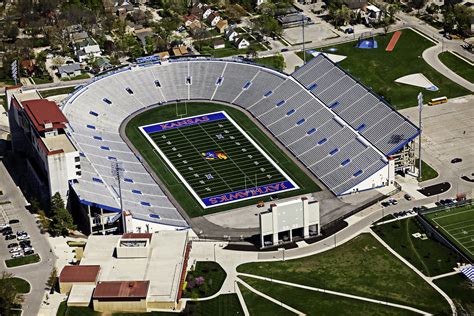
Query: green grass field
[[258, 305], [21, 285], [22, 261], [58, 91], [429, 256], [427, 173], [378, 69], [177, 189], [276, 62], [362, 267], [317, 303], [213, 275], [456, 224], [457, 65], [460, 290]]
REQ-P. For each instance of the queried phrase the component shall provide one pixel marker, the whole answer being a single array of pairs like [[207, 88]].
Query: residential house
[[103, 64], [142, 34], [206, 12], [180, 51], [69, 70], [241, 43], [195, 25], [220, 43], [86, 49], [78, 36], [374, 14], [213, 18], [189, 19], [231, 34], [356, 4], [222, 25]]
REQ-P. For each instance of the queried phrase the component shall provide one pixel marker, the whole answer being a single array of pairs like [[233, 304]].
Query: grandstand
[[337, 128]]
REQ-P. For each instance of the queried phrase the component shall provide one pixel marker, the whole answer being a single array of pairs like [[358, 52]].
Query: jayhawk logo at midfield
[[213, 155]]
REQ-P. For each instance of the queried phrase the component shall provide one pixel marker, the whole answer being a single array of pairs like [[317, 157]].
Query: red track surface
[[393, 41]]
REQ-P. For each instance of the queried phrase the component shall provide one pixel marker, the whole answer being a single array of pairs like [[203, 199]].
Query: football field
[[456, 224], [217, 161]]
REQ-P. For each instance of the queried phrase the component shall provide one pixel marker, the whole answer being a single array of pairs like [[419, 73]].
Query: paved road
[[36, 274], [431, 57]]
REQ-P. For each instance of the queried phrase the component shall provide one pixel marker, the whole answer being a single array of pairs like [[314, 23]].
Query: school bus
[[439, 100]]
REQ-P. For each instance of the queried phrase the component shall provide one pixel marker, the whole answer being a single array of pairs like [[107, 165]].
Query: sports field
[[456, 224], [278, 161], [216, 160]]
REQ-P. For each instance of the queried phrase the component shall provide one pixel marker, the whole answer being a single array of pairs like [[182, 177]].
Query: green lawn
[[378, 69], [58, 91], [22, 261], [223, 305], [427, 173], [258, 305], [428, 256], [362, 267], [81, 76], [317, 303], [213, 275], [182, 195], [276, 62], [21, 285], [457, 65], [42, 80], [460, 291]]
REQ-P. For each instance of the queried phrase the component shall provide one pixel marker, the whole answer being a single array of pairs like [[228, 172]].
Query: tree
[[9, 295], [44, 221], [12, 31], [51, 283], [61, 219]]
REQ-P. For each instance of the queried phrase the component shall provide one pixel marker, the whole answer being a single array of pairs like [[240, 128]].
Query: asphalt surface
[[36, 274]]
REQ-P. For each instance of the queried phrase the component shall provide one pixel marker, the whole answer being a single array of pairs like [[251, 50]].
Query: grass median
[[317, 303], [457, 65], [16, 262]]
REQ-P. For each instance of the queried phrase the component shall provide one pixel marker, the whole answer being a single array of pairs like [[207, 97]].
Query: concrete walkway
[[356, 297], [430, 55]]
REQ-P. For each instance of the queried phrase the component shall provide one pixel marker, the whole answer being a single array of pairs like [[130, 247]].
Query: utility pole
[[420, 109], [117, 171]]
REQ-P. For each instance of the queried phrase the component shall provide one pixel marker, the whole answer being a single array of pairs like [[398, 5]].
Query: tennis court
[[456, 224], [216, 160]]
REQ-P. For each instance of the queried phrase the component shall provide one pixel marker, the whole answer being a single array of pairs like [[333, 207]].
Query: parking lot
[[12, 206]]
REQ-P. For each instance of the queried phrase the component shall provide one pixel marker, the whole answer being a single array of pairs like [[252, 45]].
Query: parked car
[[12, 245], [3, 226], [13, 221], [25, 243], [21, 233], [23, 237], [29, 252], [408, 197], [28, 249], [16, 249], [9, 237], [17, 255], [7, 231], [284, 50], [456, 160]]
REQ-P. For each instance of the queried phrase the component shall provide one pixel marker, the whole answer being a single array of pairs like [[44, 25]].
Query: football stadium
[[335, 128]]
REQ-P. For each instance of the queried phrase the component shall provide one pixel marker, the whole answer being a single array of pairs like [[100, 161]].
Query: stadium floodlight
[[117, 171]]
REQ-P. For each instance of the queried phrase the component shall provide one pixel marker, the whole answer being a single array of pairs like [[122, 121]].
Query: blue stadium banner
[[248, 193], [184, 122], [147, 59]]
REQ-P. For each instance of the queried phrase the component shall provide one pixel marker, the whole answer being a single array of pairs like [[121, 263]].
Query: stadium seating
[[319, 113]]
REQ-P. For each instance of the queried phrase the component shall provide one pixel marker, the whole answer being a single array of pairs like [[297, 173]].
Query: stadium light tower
[[117, 171], [302, 26], [420, 109]]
